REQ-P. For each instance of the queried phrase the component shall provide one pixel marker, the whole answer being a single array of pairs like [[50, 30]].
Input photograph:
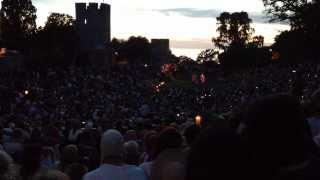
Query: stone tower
[[160, 51], [93, 25]]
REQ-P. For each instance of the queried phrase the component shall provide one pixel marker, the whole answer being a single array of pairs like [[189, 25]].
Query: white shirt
[[146, 166], [111, 172]]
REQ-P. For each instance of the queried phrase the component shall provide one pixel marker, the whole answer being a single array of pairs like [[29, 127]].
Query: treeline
[[57, 42], [236, 47]]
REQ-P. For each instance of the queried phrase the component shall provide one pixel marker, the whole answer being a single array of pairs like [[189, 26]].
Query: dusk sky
[[189, 24]]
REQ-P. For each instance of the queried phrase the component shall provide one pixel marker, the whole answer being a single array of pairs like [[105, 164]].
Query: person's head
[[276, 130], [131, 150], [76, 171], [111, 146], [51, 175], [217, 154], [69, 155], [6, 166], [191, 133], [312, 107], [169, 138], [31, 159], [150, 143]]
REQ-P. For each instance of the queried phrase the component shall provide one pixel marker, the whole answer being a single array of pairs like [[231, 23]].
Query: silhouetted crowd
[[80, 123]]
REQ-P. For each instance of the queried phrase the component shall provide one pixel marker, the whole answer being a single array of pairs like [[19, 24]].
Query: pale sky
[[189, 24]]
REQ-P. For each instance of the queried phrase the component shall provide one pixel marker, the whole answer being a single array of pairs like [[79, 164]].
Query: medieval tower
[[93, 25], [93, 28]]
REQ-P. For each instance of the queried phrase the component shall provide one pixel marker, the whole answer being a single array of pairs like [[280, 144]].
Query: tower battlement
[[93, 25]]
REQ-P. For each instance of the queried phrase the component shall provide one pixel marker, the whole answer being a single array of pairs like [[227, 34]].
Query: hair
[[169, 138], [76, 171], [6, 166], [111, 144], [69, 155], [191, 133], [277, 132], [31, 158], [217, 154], [131, 149], [51, 175]]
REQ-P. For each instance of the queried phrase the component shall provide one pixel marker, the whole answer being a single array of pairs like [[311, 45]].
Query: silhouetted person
[[30, 161], [131, 149], [170, 157], [280, 140], [6, 167], [69, 155], [191, 133], [218, 154], [112, 164]]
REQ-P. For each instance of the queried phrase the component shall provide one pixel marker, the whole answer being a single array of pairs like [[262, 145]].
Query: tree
[[234, 30], [237, 47], [207, 55], [135, 49], [18, 22], [284, 10], [303, 38], [138, 49], [257, 42], [57, 20], [56, 42]]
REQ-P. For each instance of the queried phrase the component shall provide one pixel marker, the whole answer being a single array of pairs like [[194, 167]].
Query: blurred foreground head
[[217, 154], [6, 166], [277, 132]]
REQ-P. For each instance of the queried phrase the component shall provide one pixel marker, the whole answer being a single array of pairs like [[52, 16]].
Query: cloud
[[209, 13]]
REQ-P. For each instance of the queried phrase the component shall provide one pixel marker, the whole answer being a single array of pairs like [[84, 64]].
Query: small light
[[198, 120], [294, 71], [26, 92]]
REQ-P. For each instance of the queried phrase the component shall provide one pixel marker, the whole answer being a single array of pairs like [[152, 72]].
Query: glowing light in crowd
[[275, 56], [3, 51], [167, 68], [198, 120], [202, 78], [26, 92], [161, 84]]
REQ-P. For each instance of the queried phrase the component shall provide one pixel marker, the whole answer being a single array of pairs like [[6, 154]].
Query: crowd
[[77, 123]]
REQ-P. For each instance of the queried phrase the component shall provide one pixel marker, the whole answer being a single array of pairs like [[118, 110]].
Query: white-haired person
[[112, 160], [6, 167]]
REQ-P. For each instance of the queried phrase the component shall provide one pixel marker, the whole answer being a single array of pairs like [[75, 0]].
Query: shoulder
[[92, 174], [136, 172]]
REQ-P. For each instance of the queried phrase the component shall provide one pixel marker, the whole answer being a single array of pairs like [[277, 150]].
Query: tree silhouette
[[207, 55], [56, 42], [234, 29], [135, 49], [257, 41], [18, 22], [302, 41], [57, 20], [235, 41], [284, 10]]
